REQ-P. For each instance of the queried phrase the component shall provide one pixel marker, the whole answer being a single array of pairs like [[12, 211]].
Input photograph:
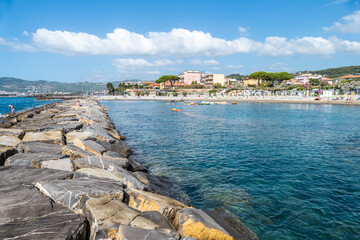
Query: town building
[[191, 76], [212, 79], [251, 82], [305, 77], [176, 85]]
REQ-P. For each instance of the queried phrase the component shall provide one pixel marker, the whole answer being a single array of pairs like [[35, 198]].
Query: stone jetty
[[65, 173]]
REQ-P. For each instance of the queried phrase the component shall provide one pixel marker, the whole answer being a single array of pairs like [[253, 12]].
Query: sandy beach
[[254, 99]]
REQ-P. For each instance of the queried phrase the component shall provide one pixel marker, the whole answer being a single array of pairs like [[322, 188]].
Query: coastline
[[282, 100], [75, 157]]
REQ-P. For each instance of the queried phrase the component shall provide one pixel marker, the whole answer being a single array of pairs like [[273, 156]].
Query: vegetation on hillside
[[337, 72]]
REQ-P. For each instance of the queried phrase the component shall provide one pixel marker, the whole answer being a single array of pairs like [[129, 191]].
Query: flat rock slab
[[27, 214], [119, 147], [71, 193], [131, 233], [103, 162], [24, 175], [11, 132], [146, 201], [128, 179], [54, 137], [83, 135], [64, 164], [31, 159], [39, 147], [9, 141], [197, 224], [74, 152], [89, 146], [96, 173]]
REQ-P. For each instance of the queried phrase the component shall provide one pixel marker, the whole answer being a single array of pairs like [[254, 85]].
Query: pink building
[[190, 76]]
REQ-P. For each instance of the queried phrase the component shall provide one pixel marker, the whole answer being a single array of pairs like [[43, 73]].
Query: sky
[[108, 40]]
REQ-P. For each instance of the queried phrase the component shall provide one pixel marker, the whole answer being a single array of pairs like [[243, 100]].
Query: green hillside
[[337, 72], [19, 85]]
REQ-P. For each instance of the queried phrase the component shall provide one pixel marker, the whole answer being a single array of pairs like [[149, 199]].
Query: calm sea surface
[[20, 104], [289, 171]]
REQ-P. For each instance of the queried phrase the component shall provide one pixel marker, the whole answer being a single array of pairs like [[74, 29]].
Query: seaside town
[[261, 84], [180, 120]]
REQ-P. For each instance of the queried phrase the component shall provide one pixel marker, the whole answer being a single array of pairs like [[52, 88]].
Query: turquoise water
[[20, 104], [289, 171]]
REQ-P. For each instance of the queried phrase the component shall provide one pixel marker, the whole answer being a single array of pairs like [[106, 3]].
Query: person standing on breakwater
[[12, 109]]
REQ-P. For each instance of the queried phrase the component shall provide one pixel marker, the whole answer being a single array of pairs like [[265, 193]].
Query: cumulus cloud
[[25, 33], [199, 62], [279, 46], [234, 66], [242, 29], [128, 65], [16, 45], [347, 24], [176, 43]]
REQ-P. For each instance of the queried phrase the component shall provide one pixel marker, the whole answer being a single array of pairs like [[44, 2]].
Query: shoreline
[[76, 159], [238, 100]]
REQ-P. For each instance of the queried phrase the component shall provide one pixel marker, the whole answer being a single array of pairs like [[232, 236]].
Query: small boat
[[176, 110], [221, 103], [233, 103]]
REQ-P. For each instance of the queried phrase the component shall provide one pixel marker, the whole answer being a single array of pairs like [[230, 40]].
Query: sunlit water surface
[[289, 171]]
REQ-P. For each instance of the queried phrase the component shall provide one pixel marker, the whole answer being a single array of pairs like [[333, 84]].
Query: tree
[[171, 78], [314, 82], [111, 88]]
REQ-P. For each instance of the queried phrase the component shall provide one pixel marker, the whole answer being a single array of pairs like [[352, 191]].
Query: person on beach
[[12, 109], [78, 104]]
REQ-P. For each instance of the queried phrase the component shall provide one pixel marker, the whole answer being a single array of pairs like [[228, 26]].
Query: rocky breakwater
[[66, 174]]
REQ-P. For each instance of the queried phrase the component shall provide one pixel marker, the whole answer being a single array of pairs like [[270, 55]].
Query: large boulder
[[54, 137], [119, 147], [82, 135], [64, 164], [131, 233], [31, 159], [128, 179], [89, 146], [12, 132], [101, 161], [147, 201], [71, 193], [27, 214], [9, 141], [38, 147], [74, 152], [195, 223]]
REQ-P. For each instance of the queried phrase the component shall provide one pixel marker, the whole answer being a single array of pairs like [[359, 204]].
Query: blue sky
[[108, 40]]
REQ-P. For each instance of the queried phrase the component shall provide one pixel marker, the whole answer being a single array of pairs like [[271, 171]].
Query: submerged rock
[[195, 223], [131, 233], [146, 201]]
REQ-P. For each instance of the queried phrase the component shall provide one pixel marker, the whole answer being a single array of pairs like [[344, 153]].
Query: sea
[[288, 171], [20, 104]]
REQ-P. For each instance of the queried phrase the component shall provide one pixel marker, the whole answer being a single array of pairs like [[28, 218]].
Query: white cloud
[[279, 67], [336, 2], [242, 29], [279, 46], [129, 65], [25, 33], [16, 45], [347, 24], [176, 43], [234, 66], [123, 42], [199, 62]]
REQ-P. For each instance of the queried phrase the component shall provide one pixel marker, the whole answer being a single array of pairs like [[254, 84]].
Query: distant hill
[[337, 72], [41, 86]]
